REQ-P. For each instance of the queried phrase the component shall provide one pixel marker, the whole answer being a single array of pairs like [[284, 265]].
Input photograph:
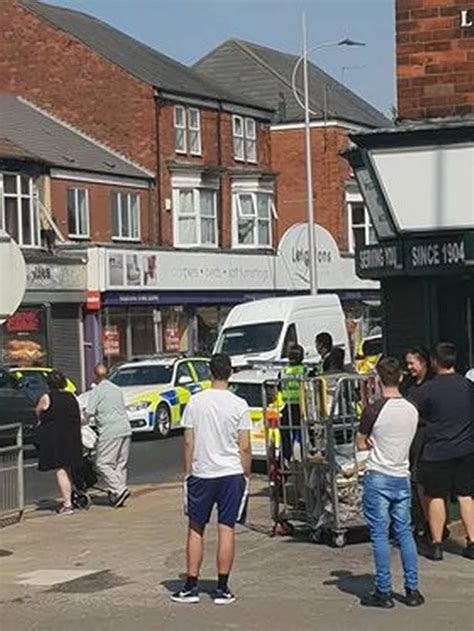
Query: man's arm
[[367, 422], [363, 442], [188, 450], [245, 451], [91, 407]]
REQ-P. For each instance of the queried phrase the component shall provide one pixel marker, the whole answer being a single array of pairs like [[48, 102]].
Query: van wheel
[[162, 426]]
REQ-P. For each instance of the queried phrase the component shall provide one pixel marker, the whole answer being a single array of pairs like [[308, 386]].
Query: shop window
[[125, 216], [78, 213], [195, 217], [175, 330], [244, 135], [207, 329], [142, 329], [187, 130], [361, 232], [253, 214], [19, 213]]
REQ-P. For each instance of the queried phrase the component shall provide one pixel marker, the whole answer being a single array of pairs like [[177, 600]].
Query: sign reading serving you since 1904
[[441, 253], [384, 259]]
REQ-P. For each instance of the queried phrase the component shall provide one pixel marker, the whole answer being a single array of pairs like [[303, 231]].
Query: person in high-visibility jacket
[[291, 378]]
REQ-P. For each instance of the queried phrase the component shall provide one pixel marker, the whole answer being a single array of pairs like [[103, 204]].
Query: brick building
[[417, 179], [56, 185], [435, 58], [265, 76]]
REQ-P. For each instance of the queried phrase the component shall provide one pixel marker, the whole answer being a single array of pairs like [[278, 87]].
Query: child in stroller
[[84, 475]]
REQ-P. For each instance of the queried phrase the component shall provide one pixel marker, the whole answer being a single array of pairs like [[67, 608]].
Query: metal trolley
[[314, 469]]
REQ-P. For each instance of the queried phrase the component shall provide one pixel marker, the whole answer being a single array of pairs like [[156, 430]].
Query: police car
[[157, 390], [258, 388]]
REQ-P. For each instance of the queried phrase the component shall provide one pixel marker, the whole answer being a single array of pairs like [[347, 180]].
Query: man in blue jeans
[[387, 429]]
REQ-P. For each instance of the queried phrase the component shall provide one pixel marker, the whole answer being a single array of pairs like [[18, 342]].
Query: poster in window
[[111, 341], [134, 270], [116, 270], [171, 338], [25, 338], [150, 270]]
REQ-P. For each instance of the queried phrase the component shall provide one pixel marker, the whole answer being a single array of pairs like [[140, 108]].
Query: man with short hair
[[217, 460], [446, 403], [387, 429], [107, 405], [324, 345]]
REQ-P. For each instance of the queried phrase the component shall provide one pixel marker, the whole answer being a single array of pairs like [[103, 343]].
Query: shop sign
[[382, 259], [28, 321], [55, 276], [435, 254], [93, 300], [467, 18], [111, 341]]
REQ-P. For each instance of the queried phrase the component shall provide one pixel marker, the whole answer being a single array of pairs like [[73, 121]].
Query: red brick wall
[[435, 58], [60, 74], [100, 213], [330, 172]]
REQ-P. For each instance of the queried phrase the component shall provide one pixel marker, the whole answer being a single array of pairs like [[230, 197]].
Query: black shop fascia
[[417, 180]]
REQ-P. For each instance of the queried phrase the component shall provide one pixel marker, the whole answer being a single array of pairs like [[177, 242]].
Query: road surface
[[151, 461]]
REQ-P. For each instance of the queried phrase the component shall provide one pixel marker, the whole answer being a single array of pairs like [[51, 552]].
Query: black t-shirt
[[446, 404]]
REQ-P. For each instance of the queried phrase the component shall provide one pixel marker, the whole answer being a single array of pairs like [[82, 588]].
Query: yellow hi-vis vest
[[291, 382]]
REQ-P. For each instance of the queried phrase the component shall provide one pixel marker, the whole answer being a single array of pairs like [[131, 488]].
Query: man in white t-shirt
[[387, 429], [217, 460]]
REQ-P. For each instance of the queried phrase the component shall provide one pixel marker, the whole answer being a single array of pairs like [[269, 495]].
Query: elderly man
[[107, 405]]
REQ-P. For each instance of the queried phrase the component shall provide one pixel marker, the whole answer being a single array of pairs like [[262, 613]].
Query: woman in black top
[[418, 364], [60, 445]]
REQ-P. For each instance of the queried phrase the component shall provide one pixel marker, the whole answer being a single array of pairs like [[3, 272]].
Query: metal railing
[[12, 483]]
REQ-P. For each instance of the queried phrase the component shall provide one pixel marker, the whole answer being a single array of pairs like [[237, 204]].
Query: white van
[[262, 330]]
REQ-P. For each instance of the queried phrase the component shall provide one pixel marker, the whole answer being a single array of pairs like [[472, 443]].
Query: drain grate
[[91, 583]]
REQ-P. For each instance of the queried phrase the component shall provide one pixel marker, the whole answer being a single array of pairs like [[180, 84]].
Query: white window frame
[[237, 214], [247, 139], [366, 225], [33, 208], [196, 214], [182, 127], [194, 129], [128, 196], [76, 191]]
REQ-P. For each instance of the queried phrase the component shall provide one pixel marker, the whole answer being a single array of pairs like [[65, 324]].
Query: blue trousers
[[387, 499]]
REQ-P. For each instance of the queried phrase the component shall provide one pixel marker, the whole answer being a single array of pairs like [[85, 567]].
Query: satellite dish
[[12, 276]]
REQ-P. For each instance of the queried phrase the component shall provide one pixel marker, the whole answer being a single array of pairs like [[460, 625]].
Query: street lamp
[[313, 284]]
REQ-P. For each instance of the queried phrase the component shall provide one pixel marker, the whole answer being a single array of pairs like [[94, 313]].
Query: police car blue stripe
[[171, 396]]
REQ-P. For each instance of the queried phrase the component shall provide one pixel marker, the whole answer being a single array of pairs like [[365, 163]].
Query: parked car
[[19, 387], [157, 390]]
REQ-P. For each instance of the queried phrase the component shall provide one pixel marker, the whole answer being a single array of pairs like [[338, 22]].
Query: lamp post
[[313, 281]]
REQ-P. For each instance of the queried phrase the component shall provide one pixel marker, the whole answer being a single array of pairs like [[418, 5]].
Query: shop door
[[65, 341], [455, 297]]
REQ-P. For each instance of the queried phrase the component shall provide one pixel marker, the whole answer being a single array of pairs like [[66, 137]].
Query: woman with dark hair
[[60, 447], [418, 363]]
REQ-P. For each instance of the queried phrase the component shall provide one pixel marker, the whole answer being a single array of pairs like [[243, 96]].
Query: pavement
[[114, 569], [151, 461]]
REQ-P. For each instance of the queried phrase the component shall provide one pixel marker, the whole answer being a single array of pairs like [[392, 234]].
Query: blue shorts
[[230, 493]]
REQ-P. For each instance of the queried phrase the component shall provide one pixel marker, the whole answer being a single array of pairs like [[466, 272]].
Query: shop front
[[143, 302], [46, 330], [418, 184]]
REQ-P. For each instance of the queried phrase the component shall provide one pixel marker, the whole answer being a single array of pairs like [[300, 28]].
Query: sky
[[188, 29]]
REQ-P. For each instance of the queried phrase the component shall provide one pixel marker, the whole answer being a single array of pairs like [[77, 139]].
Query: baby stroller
[[84, 476]]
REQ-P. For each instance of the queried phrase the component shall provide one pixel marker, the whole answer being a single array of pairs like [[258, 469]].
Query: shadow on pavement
[[174, 585], [354, 584]]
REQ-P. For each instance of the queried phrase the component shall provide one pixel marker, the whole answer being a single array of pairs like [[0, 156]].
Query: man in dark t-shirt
[[446, 402]]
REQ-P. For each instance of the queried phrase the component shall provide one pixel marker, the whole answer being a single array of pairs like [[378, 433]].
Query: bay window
[[253, 213], [19, 209], [126, 216], [78, 213], [195, 217]]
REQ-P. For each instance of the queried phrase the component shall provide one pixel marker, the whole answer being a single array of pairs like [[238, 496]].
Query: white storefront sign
[[174, 270], [55, 277]]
